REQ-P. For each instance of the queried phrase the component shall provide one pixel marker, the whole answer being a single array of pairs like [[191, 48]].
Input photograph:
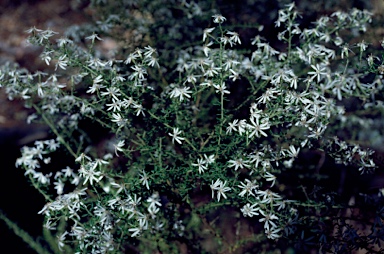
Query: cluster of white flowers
[[220, 188], [294, 99], [313, 107], [31, 158], [347, 154], [180, 92], [202, 164], [72, 204]]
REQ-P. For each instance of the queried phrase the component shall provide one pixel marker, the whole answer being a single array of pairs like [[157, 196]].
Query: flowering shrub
[[217, 133]]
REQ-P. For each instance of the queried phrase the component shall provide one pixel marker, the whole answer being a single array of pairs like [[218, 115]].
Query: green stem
[[167, 125], [53, 128], [35, 245], [39, 189]]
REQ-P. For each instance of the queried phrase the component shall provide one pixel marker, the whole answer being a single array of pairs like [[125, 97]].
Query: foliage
[[164, 147]]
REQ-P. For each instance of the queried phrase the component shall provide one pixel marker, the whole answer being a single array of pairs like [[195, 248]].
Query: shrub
[[161, 155]]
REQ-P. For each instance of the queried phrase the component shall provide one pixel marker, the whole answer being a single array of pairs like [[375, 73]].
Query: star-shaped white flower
[[175, 135]]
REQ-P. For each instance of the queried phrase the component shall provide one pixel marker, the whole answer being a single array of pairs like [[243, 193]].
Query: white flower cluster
[[91, 172], [202, 164], [259, 164], [190, 129], [31, 158], [255, 128]]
